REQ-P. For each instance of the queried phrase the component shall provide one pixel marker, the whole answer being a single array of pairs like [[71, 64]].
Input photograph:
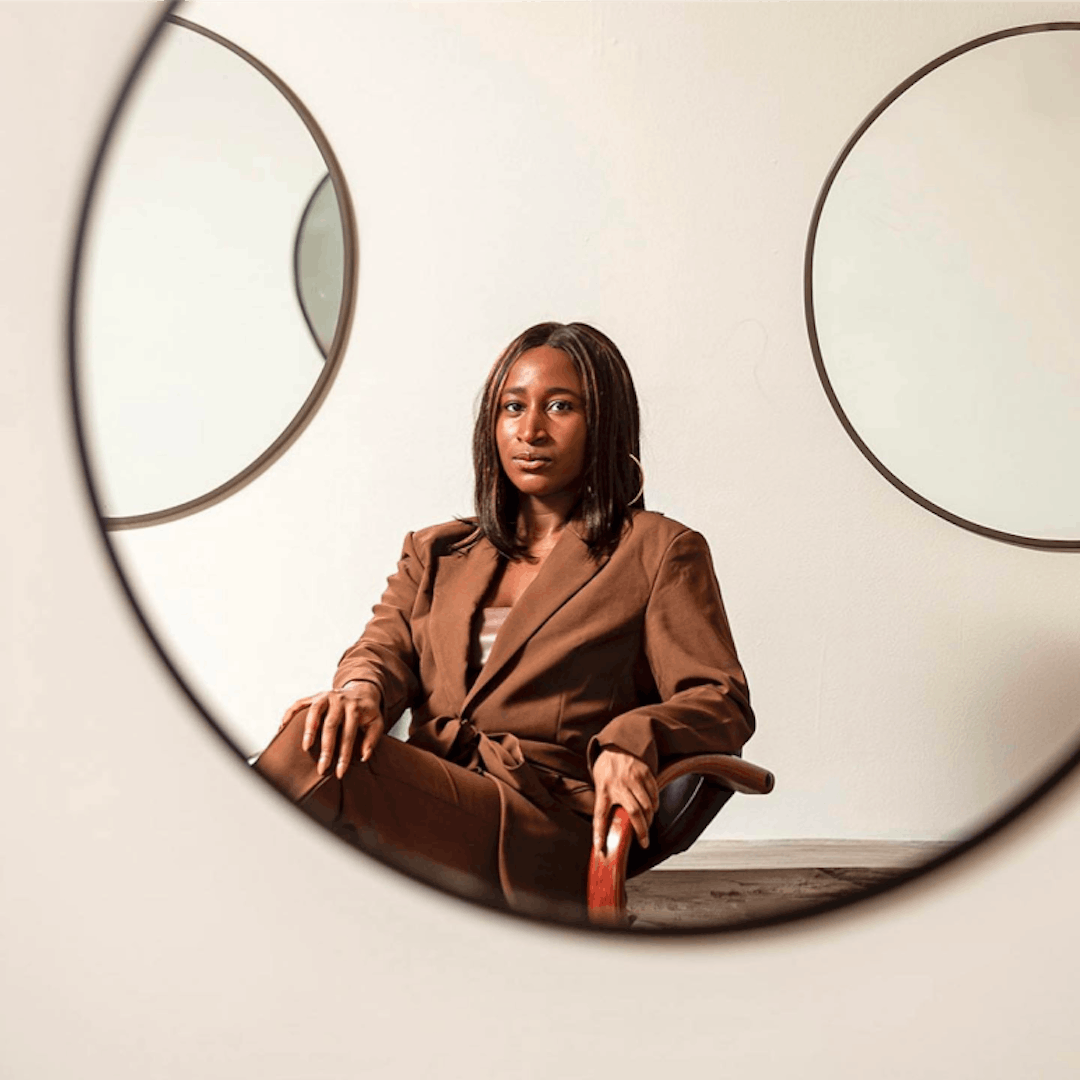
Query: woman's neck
[[540, 523]]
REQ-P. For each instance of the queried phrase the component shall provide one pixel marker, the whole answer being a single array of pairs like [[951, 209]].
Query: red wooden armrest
[[607, 871]]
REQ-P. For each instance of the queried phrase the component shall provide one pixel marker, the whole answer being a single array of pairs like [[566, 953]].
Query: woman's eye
[[559, 405]]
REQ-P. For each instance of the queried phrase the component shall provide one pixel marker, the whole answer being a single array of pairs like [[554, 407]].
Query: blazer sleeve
[[704, 702], [385, 655]]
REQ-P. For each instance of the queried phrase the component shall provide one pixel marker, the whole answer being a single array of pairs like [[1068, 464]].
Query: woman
[[555, 651]]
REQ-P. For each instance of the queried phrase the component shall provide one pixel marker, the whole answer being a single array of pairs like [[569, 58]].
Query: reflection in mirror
[[197, 363], [911, 684], [944, 287], [320, 263]]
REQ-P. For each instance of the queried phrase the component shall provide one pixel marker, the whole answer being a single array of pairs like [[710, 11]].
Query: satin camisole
[[486, 625]]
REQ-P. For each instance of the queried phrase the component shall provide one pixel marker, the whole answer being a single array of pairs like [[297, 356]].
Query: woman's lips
[[532, 464]]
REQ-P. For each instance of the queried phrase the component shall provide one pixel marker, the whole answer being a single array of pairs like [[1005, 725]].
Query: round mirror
[[913, 688], [941, 286], [198, 367]]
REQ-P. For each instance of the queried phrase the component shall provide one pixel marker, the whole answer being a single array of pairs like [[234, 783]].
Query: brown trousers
[[431, 818]]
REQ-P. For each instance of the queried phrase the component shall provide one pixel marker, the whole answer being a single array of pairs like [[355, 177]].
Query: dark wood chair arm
[[607, 870], [731, 771]]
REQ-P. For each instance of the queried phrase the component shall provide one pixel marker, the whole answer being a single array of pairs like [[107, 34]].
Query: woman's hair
[[610, 477]]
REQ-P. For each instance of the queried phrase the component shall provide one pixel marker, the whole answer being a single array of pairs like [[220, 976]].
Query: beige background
[[165, 917]]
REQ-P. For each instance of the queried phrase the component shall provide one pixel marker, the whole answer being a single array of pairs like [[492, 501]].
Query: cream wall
[[164, 917], [652, 169]]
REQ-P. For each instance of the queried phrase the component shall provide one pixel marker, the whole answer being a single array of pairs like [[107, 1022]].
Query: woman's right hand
[[343, 715]]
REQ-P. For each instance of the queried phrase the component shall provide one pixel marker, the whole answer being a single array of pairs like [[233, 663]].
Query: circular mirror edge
[[332, 357], [297, 288], [798, 920], [1039, 543]]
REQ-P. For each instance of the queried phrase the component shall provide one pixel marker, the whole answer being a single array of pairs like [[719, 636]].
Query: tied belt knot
[[498, 754]]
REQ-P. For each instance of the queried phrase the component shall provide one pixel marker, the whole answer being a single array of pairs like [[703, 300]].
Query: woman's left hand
[[623, 780]]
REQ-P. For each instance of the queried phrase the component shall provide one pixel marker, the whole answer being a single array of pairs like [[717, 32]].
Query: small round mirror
[[941, 286], [217, 285], [320, 264]]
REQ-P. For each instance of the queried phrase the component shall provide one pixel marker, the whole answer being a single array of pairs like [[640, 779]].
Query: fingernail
[[365, 755], [340, 769]]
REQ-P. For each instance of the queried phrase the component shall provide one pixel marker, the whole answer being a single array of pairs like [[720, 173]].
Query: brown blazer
[[632, 651]]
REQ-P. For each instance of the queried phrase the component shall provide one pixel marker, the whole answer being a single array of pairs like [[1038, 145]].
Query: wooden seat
[[700, 786]]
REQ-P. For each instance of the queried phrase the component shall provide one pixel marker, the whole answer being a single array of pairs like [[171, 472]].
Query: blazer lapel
[[460, 584], [567, 568]]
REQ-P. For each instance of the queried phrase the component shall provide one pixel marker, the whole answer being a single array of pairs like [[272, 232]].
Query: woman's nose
[[532, 428]]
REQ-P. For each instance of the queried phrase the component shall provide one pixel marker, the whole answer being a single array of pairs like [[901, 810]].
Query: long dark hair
[[611, 480]]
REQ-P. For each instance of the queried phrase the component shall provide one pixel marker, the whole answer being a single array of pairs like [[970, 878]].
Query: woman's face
[[540, 426]]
